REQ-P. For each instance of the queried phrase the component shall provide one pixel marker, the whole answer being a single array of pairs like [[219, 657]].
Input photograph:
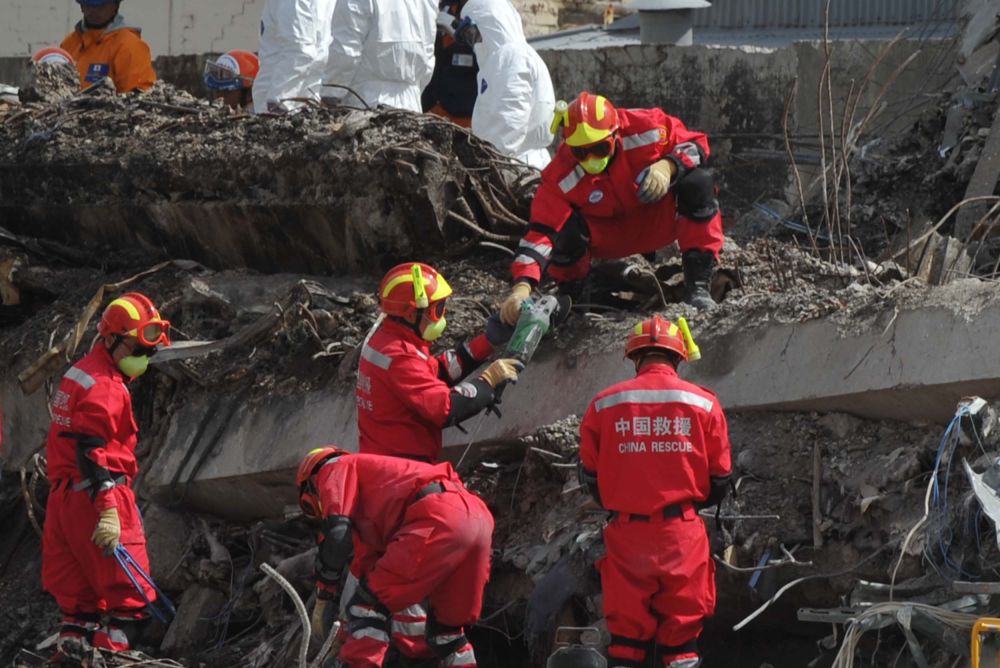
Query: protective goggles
[[309, 501], [436, 310], [220, 77], [601, 149], [153, 333]]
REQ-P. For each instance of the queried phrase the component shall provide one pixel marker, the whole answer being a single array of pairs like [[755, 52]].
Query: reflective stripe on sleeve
[[375, 357], [653, 397], [569, 182], [643, 139], [80, 377]]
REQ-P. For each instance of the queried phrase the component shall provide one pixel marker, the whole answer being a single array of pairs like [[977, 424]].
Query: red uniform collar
[[101, 352], [403, 331], [658, 368]]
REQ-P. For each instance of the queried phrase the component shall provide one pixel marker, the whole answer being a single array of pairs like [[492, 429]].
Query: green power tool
[[536, 319]]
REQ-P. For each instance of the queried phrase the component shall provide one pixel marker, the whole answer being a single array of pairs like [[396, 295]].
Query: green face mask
[[134, 366], [433, 331], [595, 165]]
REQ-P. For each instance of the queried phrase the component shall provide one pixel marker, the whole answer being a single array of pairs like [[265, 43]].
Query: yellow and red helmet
[[53, 54], [133, 314], [656, 333], [308, 494], [410, 287], [588, 119], [232, 70]]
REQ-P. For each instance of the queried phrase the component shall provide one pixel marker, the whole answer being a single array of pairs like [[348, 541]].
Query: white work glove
[[108, 532], [447, 23], [510, 311], [654, 181]]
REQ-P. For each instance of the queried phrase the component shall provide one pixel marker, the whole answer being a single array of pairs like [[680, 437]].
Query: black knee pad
[[363, 597], [572, 241], [695, 195], [444, 640]]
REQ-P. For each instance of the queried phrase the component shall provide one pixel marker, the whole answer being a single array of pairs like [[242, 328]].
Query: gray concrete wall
[[741, 91]]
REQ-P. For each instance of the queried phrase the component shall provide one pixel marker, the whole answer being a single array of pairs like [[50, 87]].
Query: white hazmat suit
[[515, 104], [294, 40], [383, 50]]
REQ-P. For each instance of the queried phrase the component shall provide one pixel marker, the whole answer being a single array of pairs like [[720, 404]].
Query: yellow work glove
[[510, 311], [108, 532], [654, 181], [501, 372], [319, 620]]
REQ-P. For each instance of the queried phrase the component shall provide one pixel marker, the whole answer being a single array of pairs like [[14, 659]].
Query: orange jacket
[[116, 51]]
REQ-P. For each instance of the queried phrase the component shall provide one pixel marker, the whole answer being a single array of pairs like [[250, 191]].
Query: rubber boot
[[698, 267]]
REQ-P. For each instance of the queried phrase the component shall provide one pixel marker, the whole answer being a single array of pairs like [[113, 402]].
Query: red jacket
[[654, 441], [375, 492], [404, 393], [645, 136], [93, 400]]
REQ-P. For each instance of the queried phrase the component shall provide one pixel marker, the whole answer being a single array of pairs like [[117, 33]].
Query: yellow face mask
[[432, 331], [595, 165], [134, 366]]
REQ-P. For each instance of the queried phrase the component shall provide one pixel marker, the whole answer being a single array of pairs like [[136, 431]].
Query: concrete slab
[[910, 362]]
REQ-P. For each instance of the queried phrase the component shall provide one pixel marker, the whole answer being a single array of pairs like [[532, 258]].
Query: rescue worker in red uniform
[[425, 538], [624, 181], [653, 450], [405, 395], [91, 464]]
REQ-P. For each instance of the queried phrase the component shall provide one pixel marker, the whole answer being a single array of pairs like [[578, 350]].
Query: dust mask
[[595, 165], [134, 366], [432, 331]]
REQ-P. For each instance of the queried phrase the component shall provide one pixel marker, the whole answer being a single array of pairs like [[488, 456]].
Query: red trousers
[[74, 570], [640, 232], [658, 580], [441, 554]]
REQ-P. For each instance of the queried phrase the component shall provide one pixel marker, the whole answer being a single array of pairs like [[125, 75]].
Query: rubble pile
[[179, 177]]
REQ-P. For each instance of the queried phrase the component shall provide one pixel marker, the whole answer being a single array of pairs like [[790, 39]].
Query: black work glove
[[718, 490], [497, 331]]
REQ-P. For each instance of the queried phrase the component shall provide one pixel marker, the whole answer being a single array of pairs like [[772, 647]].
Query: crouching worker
[[421, 536], [406, 396], [91, 509], [231, 76], [653, 450]]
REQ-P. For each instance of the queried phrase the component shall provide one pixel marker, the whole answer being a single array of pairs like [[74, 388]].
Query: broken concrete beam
[[192, 627], [982, 184]]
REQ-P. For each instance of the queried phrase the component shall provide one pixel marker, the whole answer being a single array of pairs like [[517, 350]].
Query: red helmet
[[586, 120], [233, 70], [133, 314], [412, 288], [53, 54], [658, 333], [308, 495]]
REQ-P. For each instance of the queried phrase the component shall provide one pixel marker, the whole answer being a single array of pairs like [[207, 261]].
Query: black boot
[[698, 266]]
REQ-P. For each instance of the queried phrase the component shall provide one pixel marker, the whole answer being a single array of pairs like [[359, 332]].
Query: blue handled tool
[[128, 564]]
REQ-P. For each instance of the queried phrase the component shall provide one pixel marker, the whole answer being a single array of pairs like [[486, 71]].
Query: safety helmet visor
[[221, 75]]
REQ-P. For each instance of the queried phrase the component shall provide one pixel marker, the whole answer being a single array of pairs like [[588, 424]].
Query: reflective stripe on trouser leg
[[78, 630], [679, 656], [368, 629], [409, 632], [111, 637], [450, 645]]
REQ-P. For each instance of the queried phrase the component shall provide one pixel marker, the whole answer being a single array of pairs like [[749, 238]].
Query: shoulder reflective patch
[[654, 397], [375, 357], [97, 71], [80, 377], [570, 181], [644, 139], [423, 355]]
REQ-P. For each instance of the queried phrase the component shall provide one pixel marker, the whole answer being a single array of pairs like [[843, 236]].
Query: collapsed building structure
[[845, 339]]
